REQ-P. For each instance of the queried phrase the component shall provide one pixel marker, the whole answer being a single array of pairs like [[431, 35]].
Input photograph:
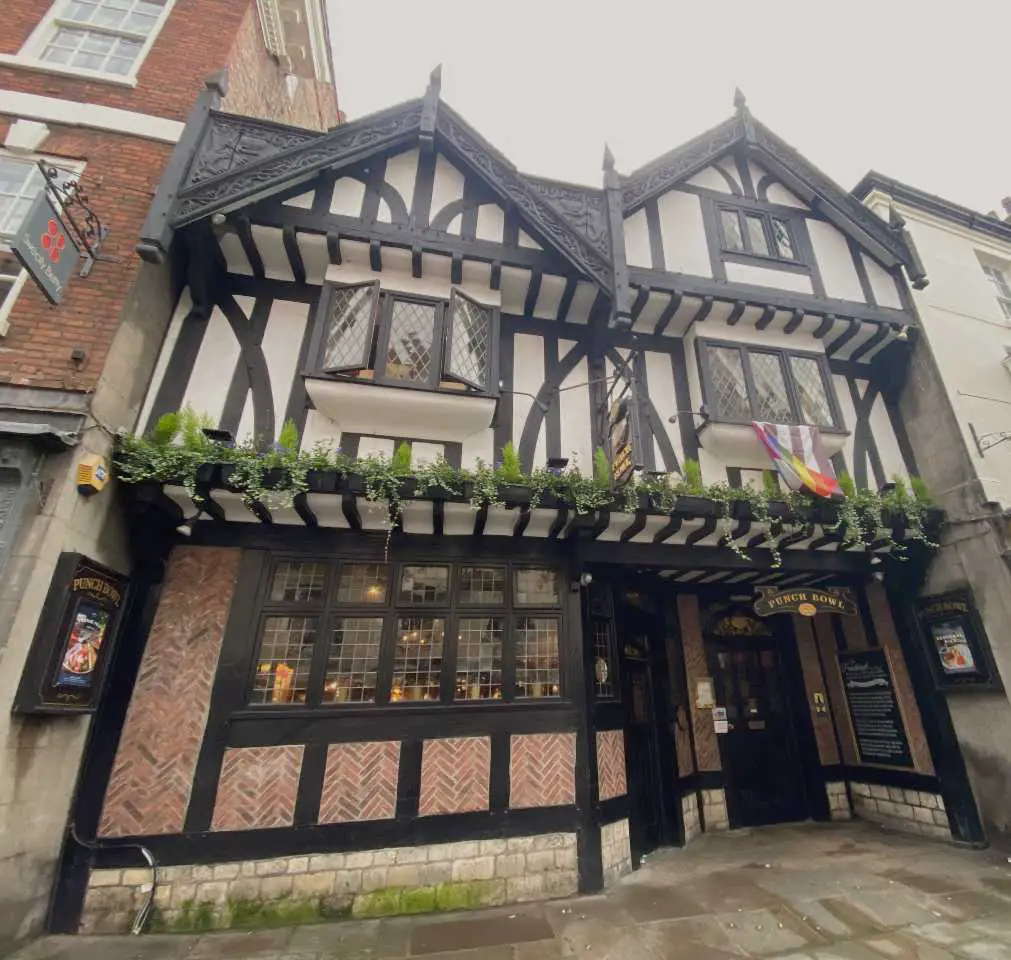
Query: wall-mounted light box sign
[[957, 644], [67, 663], [45, 248]]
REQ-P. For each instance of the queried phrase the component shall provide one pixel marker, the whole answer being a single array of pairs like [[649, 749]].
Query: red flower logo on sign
[[54, 241]]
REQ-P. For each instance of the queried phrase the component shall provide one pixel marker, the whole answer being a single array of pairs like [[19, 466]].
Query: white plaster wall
[[882, 284], [490, 223], [479, 446], [729, 166], [215, 363], [447, 185], [401, 173], [528, 375], [575, 413], [777, 193], [183, 307], [711, 180], [660, 383], [769, 337], [884, 440], [347, 197], [835, 262], [637, 240], [968, 336], [769, 277], [282, 341], [849, 417], [684, 234]]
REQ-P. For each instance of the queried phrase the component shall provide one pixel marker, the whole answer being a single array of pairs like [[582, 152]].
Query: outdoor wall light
[[585, 579]]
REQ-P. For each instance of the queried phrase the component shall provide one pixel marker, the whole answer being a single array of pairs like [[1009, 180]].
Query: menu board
[[874, 711], [959, 650]]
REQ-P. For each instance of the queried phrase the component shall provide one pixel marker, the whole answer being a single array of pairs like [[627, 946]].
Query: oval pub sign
[[807, 601]]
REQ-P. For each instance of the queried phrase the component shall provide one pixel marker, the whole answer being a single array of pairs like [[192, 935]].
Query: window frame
[[382, 323], [748, 254], [702, 346], [327, 610], [30, 54], [996, 282]]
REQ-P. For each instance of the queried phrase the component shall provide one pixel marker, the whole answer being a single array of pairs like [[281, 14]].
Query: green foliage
[[510, 470], [401, 464], [176, 449], [692, 483], [288, 439], [920, 492], [165, 430], [770, 484], [601, 468]]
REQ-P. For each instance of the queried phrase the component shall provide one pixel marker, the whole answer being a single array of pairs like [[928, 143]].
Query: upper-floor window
[[745, 383], [402, 340], [1002, 287], [358, 632], [756, 233], [99, 37]]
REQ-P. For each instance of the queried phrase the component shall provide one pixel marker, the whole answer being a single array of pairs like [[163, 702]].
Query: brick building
[[101, 90]]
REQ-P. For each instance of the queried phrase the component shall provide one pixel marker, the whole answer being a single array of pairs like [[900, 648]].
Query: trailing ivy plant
[[437, 475], [484, 486]]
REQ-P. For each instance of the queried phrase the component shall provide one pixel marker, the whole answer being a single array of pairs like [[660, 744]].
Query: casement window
[[407, 341], [356, 632], [1001, 285], [101, 38], [756, 233], [744, 383]]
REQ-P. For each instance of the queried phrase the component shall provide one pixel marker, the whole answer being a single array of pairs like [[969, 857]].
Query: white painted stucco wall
[[967, 332]]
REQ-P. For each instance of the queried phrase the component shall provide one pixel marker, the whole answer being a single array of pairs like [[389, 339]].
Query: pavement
[[805, 891]]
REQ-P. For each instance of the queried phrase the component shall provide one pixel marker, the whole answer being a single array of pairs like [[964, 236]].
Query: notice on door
[[877, 723]]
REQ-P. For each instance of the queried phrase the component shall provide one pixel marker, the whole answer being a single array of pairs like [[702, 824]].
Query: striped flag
[[799, 458]]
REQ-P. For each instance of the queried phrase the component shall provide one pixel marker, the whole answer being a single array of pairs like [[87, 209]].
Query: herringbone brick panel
[[360, 782], [152, 776], [611, 780], [455, 775], [542, 769], [257, 788]]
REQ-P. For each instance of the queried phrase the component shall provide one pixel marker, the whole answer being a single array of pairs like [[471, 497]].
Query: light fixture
[[186, 527], [585, 579], [903, 333]]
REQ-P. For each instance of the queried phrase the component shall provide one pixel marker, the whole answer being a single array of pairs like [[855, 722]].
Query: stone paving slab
[[847, 891]]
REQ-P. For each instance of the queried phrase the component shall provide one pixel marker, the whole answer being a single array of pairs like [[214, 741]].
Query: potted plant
[[512, 486], [691, 492]]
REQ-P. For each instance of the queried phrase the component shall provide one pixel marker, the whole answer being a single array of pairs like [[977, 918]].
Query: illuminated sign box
[[68, 660], [957, 645]]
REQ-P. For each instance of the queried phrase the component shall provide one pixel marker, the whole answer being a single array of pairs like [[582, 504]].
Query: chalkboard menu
[[877, 723]]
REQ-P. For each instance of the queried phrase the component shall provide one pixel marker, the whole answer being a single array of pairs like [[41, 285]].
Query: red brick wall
[[257, 88], [455, 775], [542, 769], [120, 180], [257, 788], [360, 782], [149, 788], [611, 778]]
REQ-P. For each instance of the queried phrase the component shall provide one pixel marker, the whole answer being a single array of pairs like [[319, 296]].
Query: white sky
[[862, 84]]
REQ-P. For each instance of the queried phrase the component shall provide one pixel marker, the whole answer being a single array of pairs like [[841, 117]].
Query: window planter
[[515, 494], [693, 506], [322, 481]]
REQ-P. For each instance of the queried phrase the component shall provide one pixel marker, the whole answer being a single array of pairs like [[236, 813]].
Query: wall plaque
[[807, 601], [957, 645], [874, 710], [66, 665]]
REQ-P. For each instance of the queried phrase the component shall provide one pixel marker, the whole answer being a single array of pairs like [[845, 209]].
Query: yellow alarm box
[[92, 474]]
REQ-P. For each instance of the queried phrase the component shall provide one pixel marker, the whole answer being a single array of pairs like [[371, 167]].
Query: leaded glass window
[[537, 672], [409, 352], [283, 660], [353, 660], [363, 583], [298, 580], [733, 238], [730, 392], [536, 587], [784, 241], [482, 585], [479, 658], [756, 235], [771, 400], [470, 341], [351, 319], [424, 584], [811, 393], [417, 661]]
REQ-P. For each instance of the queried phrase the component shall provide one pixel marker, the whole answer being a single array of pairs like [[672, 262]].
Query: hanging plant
[[437, 476], [484, 486]]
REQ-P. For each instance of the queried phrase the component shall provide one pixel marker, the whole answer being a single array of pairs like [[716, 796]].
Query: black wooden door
[[763, 775], [645, 821]]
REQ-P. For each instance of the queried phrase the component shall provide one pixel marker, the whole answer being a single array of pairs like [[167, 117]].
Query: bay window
[[394, 339], [742, 383]]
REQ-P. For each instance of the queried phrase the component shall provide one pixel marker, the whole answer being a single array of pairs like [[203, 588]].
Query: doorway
[[764, 775]]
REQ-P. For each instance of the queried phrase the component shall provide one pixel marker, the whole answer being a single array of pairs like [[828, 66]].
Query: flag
[[799, 458]]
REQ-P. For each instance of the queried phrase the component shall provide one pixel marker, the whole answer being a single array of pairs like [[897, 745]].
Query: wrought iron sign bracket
[[74, 210], [986, 441]]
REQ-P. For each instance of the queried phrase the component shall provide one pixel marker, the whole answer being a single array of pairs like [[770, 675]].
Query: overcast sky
[[854, 85]]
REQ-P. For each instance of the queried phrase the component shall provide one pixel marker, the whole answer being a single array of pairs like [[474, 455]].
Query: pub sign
[[66, 665], [957, 644], [807, 601], [622, 433], [45, 248]]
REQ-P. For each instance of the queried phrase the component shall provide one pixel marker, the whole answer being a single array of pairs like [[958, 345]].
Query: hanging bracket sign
[[807, 601]]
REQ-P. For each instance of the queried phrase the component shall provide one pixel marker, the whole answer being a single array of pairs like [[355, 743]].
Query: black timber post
[[157, 232], [621, 303]]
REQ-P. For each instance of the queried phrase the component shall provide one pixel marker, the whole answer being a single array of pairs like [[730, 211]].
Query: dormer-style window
[[1001, 286], [744, 383], [756, 233], [401, 340]]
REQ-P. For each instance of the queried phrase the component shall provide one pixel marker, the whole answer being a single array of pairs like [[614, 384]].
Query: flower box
[[693, 506], [515, 494]]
